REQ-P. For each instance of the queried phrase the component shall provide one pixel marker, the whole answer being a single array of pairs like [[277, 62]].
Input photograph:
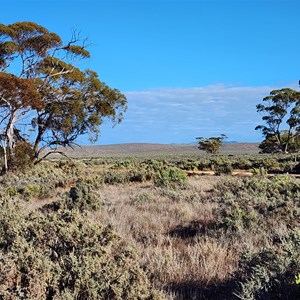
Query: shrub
[[187, 165], [224, 168], [61, 255], [270, 273], [34, 190], [257, 205], [236, 217], [171, 177], [80, 197], [242, 163]]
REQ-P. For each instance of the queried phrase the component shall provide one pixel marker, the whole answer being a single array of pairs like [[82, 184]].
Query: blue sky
[[188, 68]]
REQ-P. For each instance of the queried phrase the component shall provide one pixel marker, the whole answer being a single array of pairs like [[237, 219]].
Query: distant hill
[[142, 149]]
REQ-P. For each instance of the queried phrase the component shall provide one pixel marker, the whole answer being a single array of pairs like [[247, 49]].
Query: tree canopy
[[212, 144], [46, 101], [281, 115]]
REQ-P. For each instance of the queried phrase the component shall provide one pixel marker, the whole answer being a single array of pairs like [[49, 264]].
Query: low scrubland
[[138, 228]]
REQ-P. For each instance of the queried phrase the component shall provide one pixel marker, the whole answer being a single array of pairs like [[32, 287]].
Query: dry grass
[[175, 231], [167, 228]]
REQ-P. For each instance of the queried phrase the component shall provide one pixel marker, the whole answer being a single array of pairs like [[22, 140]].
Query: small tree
[[45, 100], [212, 144], [281, 115]]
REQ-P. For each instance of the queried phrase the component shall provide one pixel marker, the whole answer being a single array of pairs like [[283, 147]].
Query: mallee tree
[[281, 115], [212, 144], [46, 101]]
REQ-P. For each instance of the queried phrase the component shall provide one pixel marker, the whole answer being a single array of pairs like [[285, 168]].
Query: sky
[[188, 68]]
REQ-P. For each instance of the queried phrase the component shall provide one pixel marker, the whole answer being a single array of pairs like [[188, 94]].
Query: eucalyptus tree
[[211, 145], [46, 100], [281, 116]]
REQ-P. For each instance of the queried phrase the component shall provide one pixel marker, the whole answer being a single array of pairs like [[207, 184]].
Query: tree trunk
[[10, 140], [5, 167]]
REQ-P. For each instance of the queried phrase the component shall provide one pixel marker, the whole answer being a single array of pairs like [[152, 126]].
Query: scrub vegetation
[[139, 228], [144, 227]]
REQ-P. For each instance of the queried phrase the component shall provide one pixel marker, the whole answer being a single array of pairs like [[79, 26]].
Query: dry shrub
[[188, 237], [62, 255]]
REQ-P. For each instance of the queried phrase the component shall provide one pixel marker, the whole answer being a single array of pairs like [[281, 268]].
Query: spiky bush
[[257, 203], [270, 273], [62, 255], [171, 178]]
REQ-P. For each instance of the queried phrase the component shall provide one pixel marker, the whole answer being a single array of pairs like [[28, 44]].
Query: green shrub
[[224, 168], [242, 163], [276, 187], [34, 190], [62, 255], [271, 164], [80, 197], [187, 165], [257, 205], [171, 177], [236, 217], [270, 273]]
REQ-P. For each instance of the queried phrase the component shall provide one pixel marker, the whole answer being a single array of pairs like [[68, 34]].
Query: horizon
[[170, 144], [187, 68]]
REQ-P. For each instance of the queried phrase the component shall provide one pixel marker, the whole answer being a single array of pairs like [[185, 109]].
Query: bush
[[257, 205], [171, 178], [34, 190], [80, 197], [224, 168], [270, 273], [61, 255]]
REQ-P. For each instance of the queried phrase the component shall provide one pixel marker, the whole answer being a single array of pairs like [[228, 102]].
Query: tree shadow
[[193, 229], [196, 291]]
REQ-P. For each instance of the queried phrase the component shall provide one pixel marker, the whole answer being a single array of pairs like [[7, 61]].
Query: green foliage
[[282, 107], [257, 204], [124, 176], [278, 187], [33, 190], [23, 156], [224, 168], [170, 177], [212, 144], [272, 145], [270, 274], [59, 101], [238, 217], [81, 197], [62, 255], [188, 164]]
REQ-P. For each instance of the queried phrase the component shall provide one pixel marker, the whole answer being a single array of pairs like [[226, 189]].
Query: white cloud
[[162, 115]]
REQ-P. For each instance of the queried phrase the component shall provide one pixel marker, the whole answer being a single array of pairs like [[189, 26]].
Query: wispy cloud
[[181, 114]]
